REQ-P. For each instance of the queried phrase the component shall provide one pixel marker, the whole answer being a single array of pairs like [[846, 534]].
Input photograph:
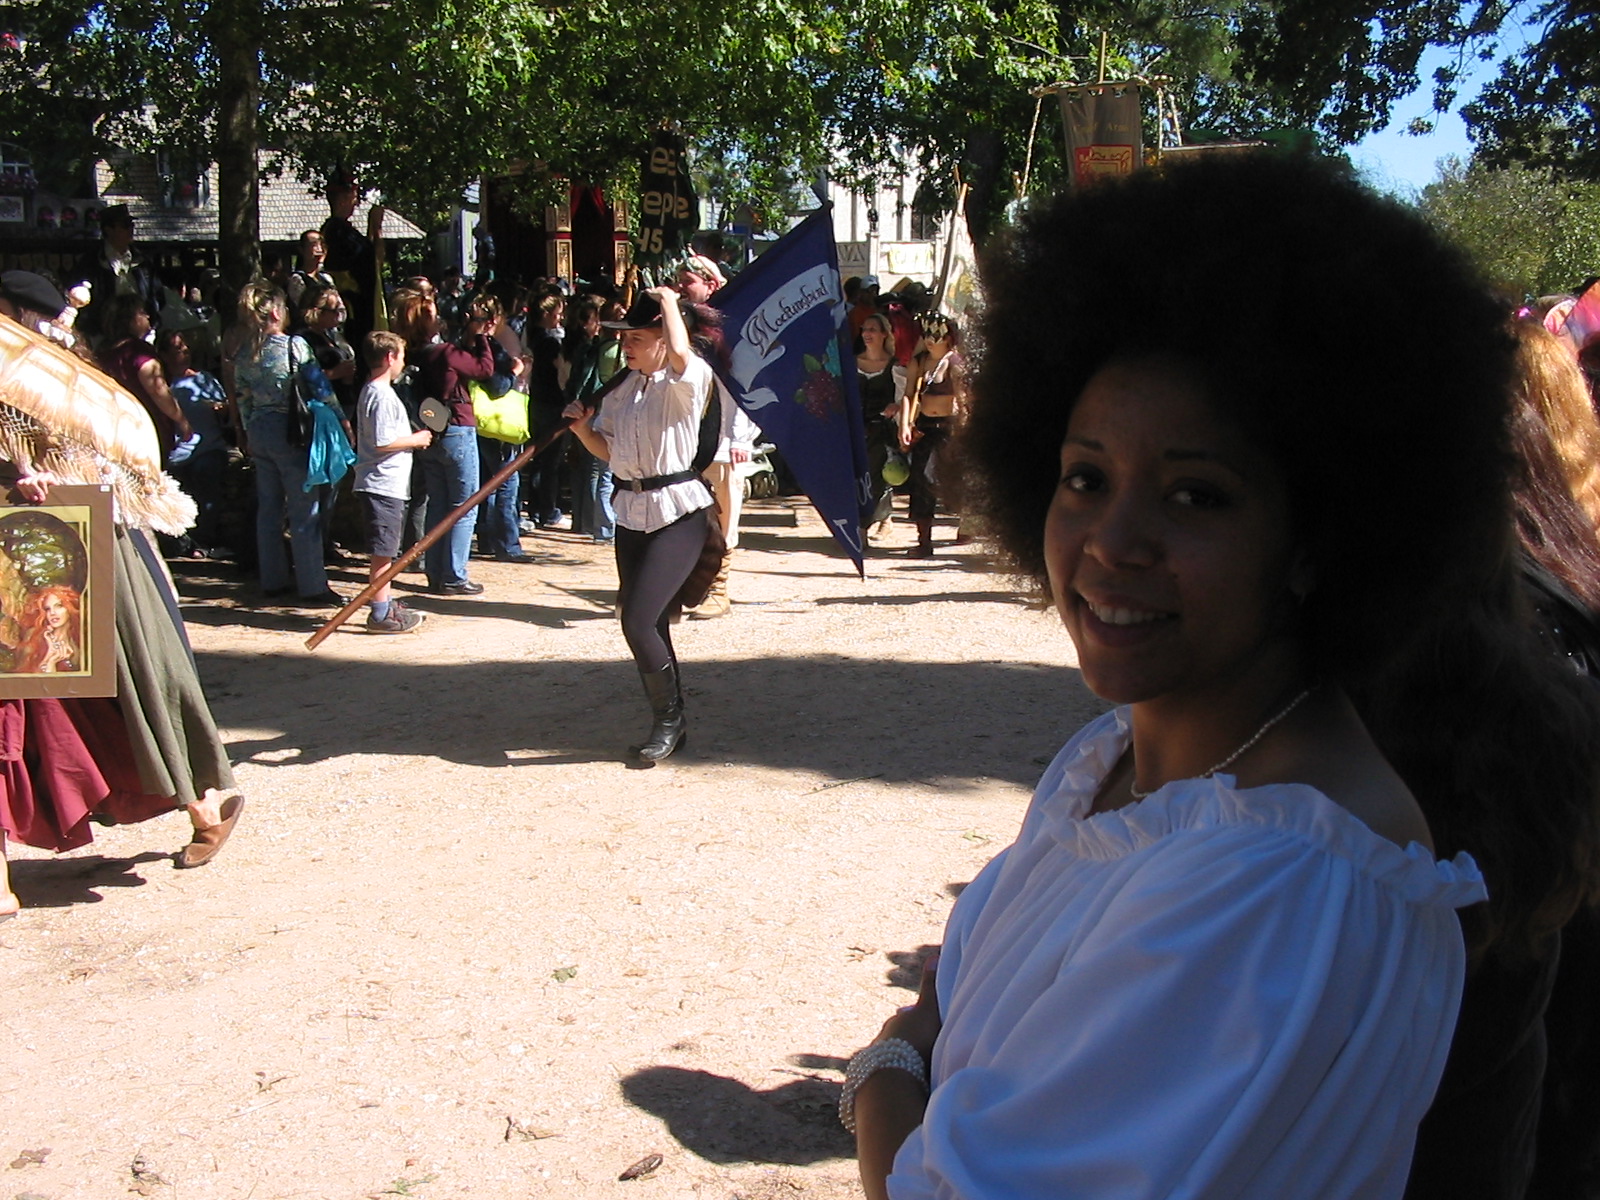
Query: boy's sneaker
[[400, 620]]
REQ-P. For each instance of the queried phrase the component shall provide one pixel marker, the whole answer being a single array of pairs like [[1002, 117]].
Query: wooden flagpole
[[437, 532]]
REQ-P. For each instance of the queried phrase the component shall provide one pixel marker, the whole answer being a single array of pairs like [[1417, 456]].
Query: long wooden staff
[[438, 531]]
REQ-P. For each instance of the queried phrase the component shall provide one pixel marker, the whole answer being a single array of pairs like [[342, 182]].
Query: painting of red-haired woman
[[52, 632]]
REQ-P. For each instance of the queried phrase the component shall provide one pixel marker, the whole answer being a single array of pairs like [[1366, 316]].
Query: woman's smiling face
[[1168, 544]]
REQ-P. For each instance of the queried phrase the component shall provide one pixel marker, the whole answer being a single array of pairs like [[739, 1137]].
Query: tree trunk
[[236, 36]]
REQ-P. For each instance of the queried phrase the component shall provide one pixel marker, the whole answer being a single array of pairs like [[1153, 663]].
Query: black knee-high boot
[[668, 731]]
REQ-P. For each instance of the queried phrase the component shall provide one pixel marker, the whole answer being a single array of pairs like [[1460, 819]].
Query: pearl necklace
[[1251, 741]]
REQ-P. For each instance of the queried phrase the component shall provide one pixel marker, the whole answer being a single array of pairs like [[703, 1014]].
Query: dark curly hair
[[1362, 353], [1296, 293]]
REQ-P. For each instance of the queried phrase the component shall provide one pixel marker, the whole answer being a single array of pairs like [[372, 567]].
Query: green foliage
[[1544, 108], [1530, 232], [43, 550], [420, 97]]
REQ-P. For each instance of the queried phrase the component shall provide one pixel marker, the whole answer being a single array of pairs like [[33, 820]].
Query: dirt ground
[[458, 949]]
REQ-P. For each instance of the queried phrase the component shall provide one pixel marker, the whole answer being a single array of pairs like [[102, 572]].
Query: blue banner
[[792, 367]]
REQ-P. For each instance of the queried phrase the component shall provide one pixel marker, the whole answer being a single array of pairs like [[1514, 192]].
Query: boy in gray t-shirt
[[384, 442]]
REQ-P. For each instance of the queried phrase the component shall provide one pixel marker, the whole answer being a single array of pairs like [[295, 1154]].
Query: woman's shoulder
[[1276, 839], [1378, 798], [299, 351], [125, 354], [273, 346], [946, 368], [1335, 754], [1359, 822]]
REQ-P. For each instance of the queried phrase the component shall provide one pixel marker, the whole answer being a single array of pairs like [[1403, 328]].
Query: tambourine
[[434, 414]]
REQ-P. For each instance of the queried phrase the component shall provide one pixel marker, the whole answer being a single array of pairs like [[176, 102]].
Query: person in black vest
[[115, 268], [353, 258]]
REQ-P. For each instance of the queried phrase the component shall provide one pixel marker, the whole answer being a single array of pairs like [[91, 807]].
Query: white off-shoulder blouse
[[1212, 994]]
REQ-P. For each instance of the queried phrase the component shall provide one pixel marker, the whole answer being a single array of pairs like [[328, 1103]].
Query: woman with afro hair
[[1225, 954]]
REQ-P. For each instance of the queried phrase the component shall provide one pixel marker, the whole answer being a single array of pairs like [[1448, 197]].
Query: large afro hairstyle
[[1331, 324]]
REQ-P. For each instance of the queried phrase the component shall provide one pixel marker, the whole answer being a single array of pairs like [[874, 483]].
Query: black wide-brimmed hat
[[645, 314], [116, 214]]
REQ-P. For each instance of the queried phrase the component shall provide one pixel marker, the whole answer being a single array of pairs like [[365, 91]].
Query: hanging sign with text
[[669, 212]]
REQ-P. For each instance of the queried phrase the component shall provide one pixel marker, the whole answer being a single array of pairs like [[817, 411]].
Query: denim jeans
[[497, 515], [591, 498], [450, 468], [280, 486]]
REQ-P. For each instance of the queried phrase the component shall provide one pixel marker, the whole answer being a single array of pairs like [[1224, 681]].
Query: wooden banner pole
[[437, 532]]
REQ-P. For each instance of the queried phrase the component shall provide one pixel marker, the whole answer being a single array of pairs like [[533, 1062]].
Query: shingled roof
[[288, 206]]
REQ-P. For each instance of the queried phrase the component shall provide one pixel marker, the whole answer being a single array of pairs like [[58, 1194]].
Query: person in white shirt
[[384, 445], [309, 272], [647, 427]]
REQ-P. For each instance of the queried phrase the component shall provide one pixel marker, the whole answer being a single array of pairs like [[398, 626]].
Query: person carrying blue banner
[[647, 426]]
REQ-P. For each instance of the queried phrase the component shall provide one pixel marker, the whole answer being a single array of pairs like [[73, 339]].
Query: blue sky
[[1399, 162]]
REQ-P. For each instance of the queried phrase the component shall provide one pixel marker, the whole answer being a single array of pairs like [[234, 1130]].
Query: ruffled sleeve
[[1211, 994]]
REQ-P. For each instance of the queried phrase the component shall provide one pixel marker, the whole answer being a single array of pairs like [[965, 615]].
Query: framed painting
[[57, 601]]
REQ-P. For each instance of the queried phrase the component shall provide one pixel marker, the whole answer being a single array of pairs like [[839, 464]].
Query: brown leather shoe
[[208, 841]]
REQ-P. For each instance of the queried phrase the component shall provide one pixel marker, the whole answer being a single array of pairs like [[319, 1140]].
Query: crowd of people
[[913, 387], [222, 399]]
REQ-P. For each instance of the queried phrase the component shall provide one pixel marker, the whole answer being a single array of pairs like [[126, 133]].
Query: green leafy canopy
[[423, 98]]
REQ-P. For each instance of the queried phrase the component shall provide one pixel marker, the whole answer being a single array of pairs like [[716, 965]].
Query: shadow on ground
[[217, 594], [841, 718], [65, 882], [905, 969], [725, 1121]]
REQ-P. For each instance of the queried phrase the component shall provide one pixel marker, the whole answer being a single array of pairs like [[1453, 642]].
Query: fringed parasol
[[62, 415]]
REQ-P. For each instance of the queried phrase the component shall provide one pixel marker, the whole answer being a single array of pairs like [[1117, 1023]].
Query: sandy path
[[450, 905]]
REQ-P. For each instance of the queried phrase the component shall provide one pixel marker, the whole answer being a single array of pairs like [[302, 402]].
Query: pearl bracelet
[[891, 1052]]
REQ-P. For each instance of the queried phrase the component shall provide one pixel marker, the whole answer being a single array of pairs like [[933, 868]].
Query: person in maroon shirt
[[450, 465], [131, 361]]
